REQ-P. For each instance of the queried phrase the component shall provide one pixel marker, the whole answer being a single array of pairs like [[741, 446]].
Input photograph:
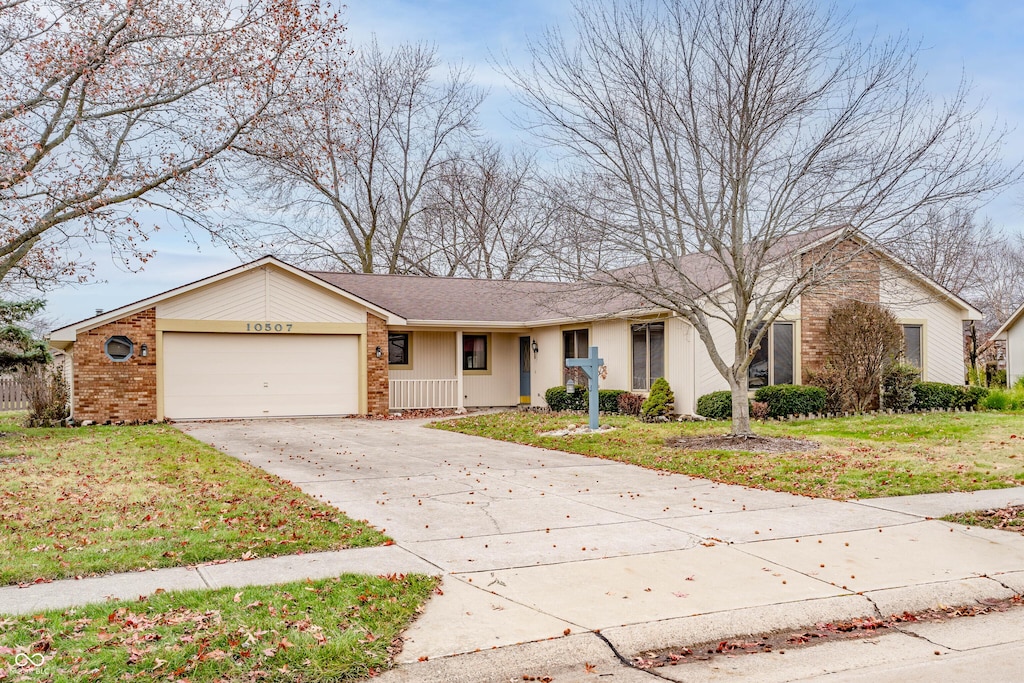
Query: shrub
[[928, 395], [1004, 399], [830, 381], [861, 340], [996, 400], [659, 400], [608, 399], [559, 399], [898, 387], [630, 403], [791, 399], [970, 397], [49, 400], [715, 406], [759, 410]]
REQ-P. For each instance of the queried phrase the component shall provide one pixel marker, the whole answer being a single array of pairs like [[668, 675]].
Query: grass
[[860, 457], [340, 629], [1006, 519], [94, 500]]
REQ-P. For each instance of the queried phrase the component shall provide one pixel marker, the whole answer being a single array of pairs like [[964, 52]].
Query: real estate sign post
[[591, 366]]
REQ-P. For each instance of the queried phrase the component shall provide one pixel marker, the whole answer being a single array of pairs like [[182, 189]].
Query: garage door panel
[[209, 375]]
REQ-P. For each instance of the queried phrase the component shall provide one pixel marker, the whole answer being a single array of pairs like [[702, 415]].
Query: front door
[[524, 369]]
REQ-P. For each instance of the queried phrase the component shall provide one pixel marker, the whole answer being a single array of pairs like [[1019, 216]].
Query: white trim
[[70, 332], [1005, 327]]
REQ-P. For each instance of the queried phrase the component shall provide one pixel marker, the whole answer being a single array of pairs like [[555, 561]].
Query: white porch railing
[[410, 394]]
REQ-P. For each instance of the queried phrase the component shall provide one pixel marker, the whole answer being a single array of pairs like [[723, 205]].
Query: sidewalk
[[553, 560]]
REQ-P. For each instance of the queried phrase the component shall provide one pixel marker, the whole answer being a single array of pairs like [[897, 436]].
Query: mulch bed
[[412, 414], [756, 444]]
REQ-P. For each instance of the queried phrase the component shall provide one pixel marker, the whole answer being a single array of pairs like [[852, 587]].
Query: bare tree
[[717, 134], [349, 179], [951, 247], [110, 106], [487, 216], [1000, 289]]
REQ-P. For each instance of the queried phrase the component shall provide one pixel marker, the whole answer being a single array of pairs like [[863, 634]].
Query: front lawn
[[860, 457], [340, 629], [94, 500]]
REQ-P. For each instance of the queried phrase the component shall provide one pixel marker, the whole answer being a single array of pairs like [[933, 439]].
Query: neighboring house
[[1012, 334], [269, 339]]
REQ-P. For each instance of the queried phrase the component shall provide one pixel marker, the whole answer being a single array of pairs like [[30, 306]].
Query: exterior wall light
[[533, 345], [379, 352], [144, 350]]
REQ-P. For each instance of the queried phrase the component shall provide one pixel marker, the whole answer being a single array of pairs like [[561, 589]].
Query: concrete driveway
[[535, 543]]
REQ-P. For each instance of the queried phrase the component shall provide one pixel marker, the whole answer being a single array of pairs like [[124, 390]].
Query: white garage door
[[251, 375]]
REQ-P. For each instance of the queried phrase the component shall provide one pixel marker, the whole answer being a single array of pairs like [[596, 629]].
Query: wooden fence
[[11, 395]]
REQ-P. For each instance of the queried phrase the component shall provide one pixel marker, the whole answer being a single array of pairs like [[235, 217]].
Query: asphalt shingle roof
[[442, 299]]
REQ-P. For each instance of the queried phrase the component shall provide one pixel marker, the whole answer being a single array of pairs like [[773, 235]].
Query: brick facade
[[111, 391], [858, 280], [377, 394]]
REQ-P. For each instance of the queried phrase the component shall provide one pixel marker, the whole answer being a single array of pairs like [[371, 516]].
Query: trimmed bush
[[559, 399], [928, 395], [659, 401], [607, 399], [630, 403], [898, 387], [715, 406], [791, 399], [970, 397]]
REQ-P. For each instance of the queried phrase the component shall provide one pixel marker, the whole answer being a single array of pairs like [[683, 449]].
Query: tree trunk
[[740, 406]]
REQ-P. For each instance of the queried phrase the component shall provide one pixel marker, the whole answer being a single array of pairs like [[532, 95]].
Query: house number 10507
[[268, 327]]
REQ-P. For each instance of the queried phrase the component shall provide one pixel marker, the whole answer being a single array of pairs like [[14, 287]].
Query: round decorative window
[[119, 348]]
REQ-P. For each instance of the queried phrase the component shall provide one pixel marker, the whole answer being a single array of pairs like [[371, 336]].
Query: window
[[912, 345], [119, 348], [474, 352], [648, 354], [398, 348], [575, 344], [774, 359]]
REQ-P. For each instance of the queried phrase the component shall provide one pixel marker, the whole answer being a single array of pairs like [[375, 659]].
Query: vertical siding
[[546, 370], [433, 357], [679, 363], [266, 293], [242, 297], [1015, 352], [706, 375], [611, 337], [69, 373], [943, 325], [292, 298], [501, 387]]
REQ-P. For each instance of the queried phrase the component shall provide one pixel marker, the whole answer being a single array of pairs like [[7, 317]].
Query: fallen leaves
[[124, 498]]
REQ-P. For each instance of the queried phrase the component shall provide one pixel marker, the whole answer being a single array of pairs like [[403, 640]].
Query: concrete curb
[[701, 628], [543, 658]]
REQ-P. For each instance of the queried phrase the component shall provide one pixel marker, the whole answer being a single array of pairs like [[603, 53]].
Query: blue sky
[[983, 39]]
